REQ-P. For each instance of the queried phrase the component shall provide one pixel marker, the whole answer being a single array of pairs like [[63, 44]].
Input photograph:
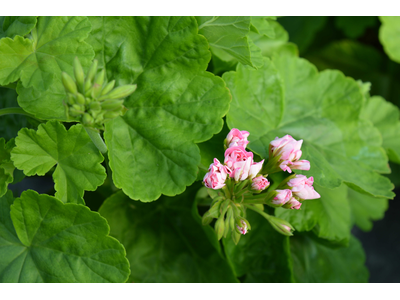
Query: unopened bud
[[96, 90], [220, 227], [99, 79], [71, 99], [68, 83], [112, 114], [242, 226], [88, 85], [92, 71], [88, 100], [95, 106], [224, 206], [120, 92], [112, 104], [88, 93], [236, 236], [281, 226], [80, 99], [79, 74], [109, 86], [229, 217], [212, 213], [87, 119]]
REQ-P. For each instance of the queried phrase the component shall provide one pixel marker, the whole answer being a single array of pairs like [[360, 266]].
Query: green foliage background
[[331, 81]]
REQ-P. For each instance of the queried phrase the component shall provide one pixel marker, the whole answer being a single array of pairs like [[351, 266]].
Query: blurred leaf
[[302, 30], [163, 241], [77, 158], [6, 165], [45, 240], [366, 209], [389, 35], [328, 216], [314, 262], [12, 26], [262, 255], [355, 26]]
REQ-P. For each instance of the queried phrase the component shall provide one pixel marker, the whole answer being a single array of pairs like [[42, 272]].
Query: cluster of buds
[[92, 100], [240, 184]]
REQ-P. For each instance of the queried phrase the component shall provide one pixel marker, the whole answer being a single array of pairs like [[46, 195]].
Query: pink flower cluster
[[289, 150], [238, 164], [300, 189]]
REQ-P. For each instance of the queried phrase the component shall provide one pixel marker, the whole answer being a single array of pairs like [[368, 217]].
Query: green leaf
[[228, 36], [328, 217], [262, 255], [39, 61], [385, 116], [12, 26], [302, 30], [389, 36], [176, 104], [314, 262], [354, 27], [312, 105], [366, 209], [78, 160], [164, 243], [45, 240], [6, 165]]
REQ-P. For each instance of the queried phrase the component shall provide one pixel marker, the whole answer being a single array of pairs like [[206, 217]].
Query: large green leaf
[[45, 240], [176, 104], [77, 158], [12, 26], [389, 35], [39, 61], [366, 209], [262, 255], [228, 38], [329, 216], [385, 117], [6, 165], [323, 109], [314, 262], [355, 26], [164, 243]]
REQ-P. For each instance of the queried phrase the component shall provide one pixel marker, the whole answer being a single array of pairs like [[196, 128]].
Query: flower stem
[[96, 139], [265, 215], [18, 111]]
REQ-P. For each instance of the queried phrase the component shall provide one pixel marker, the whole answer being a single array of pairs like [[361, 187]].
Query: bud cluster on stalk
[[92, 100], [239, 184]]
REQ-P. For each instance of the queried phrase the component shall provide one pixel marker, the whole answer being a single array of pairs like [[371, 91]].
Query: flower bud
[[236, 236], [99, 79], [68, 83], [80, 99], [293, 203], [236, 138], [255, 168], [212, 213], [87, 119], [88, 85], [229, 217], [120, 92], [282, 197], [281, 226], [96, 90], [95, 106], [220, 227], [109, 86], [302, 188], [79, 74], [260, 183], [111, 114], [71, 99], [112, 104], [242, 226], [216, 176], [92, 71]]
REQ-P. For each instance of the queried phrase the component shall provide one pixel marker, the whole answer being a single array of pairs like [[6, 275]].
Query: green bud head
[[69, 83], [88, 85], [88, 100], [92, 71], [99, 79], [71, 99], [120, 92], [96, 90], [112, 114], [79, 74], [79, 108], [109, 86], [88, 93], [99, 119], [111, 105], [220, 227], [95, 106], [87, 119], [80, 99]]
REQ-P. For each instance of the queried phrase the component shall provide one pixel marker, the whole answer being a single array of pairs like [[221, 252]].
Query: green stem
[[265, 215], [96, 139], [18, 111]]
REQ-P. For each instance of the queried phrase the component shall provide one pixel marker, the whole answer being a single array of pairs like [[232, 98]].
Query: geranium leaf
[[176, 104], [12, 26], [6, 165], [263, 254], [39, 61], [355, 26], [164, 243], [45, 240], [389, 36], [228, 35], [352, 151], [366, 209], [385, 116], [328, 216], [314, 262], [77, 158]]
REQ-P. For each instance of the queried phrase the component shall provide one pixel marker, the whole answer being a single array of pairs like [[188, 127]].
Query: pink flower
[[282, 197], [289, 151], [260, 183], [239, 162], [237, 138], [302, 187], [293, 204], [243, 228], [255, 168], [215, 178]]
